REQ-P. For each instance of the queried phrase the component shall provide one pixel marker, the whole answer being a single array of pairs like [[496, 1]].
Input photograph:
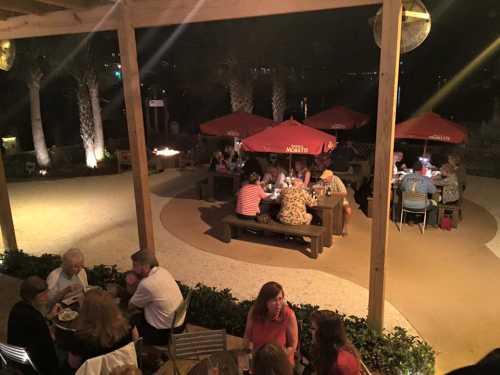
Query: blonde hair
[[101, 321]]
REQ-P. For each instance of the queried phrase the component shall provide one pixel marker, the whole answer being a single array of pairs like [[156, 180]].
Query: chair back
[[181, 311], [364, 368], [16, 354], [414, 197], [195, 344]]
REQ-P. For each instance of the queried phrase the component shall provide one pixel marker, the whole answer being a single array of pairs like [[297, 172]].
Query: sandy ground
[[97, 214]]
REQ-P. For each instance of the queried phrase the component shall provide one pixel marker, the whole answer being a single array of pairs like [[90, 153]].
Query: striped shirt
[[249, 198]]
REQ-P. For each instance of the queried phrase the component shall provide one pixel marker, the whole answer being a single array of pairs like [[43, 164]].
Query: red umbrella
[[290, 137], [337, 118], [432, 127], [236, 124]]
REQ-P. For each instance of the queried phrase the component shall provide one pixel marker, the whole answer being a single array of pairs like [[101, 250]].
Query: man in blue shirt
[[416, 182]]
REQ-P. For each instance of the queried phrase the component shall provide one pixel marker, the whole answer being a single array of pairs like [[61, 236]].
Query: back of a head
[[331, 332], [270, 359], [30, 287], [417, 166], [145, 258], [253, 178]]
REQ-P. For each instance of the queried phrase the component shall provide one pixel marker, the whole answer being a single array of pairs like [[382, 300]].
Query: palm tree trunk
[[86, 124], [278, 94], [241, 94], [41, 152], [93, 87]]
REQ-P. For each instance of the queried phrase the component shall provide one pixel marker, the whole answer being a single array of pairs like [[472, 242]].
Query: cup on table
[[244, 363]]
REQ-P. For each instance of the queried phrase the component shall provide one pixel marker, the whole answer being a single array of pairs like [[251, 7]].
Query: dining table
[[329, 210], [226, 362]]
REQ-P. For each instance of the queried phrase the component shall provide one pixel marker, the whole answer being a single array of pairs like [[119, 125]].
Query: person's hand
[[56, 309], [289, 351]]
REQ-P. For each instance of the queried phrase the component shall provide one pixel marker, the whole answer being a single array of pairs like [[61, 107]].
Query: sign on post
[[156, 103]]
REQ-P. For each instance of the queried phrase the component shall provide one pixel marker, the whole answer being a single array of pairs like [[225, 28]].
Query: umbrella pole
[[425, 148], [290, 165]]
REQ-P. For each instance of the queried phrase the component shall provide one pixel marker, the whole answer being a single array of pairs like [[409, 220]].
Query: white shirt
[[159, 296], [58, 280]]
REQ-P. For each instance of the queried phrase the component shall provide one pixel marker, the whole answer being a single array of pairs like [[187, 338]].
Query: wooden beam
[[6, 223], [6, 14], [386, 116], [132, 93], [73, 4], [26, 6], [149, 13]]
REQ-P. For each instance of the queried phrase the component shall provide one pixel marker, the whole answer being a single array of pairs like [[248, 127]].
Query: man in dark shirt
[[27, 327]]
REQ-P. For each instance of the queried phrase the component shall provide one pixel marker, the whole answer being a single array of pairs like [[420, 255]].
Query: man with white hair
[[69, 278]]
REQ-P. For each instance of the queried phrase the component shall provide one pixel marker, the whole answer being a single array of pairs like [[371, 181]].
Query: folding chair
[[414, 197], [195, 344], [11, 354]]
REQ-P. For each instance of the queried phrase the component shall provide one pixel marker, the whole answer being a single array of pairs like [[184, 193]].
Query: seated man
[[338, 188], [70, 278], [293, 204], [416, 182], [249, 197], [158, 295], [27, 326], [275, 176]]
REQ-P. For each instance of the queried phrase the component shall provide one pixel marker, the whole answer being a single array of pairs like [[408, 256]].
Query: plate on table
[[67, 315]]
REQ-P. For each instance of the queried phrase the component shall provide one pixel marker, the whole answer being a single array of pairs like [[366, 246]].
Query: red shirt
[[249, 198], [271, 331], [347, 364]]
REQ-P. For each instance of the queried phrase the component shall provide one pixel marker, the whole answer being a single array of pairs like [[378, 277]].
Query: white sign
[[156, 103]]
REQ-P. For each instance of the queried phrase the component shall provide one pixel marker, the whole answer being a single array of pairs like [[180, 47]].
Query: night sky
[[327, 51]]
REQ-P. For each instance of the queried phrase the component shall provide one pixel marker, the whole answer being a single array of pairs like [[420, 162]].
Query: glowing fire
[[165, 152]]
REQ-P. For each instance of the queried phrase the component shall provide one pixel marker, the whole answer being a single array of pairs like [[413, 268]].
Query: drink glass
[[243, 363]]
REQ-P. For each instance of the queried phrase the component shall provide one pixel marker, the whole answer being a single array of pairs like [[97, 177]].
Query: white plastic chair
[[15, 354]]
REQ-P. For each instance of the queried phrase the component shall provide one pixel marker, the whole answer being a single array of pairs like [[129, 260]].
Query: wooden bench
[[315, 232]]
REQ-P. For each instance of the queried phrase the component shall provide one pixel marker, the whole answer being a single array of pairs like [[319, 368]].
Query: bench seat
[[315, 232]]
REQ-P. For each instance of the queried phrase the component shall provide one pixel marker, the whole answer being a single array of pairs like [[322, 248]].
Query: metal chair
[[16, 355], [414, 197]]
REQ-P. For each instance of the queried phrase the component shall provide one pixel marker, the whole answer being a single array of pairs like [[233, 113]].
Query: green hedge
[[394, 352]]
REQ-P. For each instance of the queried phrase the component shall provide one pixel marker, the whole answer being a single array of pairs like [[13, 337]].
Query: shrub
[[390, 353]]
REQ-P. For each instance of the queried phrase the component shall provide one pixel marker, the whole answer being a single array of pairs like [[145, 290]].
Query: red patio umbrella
[[290, 137], [337, 118], [431, 127], [236, 124]]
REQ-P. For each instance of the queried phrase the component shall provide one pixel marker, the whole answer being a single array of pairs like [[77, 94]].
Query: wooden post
[[386, 116], [6, 223], [132, 93]]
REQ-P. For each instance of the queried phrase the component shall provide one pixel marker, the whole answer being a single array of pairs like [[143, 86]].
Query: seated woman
[[27, 326], [217, 163], [270, 320], [332, 353], [302, 172], [270, 359], [294, 200], [448, 180], [101, 329], [249, 197], [274, 175], [456, 163]]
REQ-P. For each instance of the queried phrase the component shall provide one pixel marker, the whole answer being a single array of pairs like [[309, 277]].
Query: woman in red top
[[333, 354], [270, 320], [249, 197]]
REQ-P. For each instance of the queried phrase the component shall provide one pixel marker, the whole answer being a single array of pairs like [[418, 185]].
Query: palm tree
[[278, 98], [30, 67], [93, 88]]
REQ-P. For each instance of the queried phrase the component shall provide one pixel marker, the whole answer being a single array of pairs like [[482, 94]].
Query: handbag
[[446, 223]]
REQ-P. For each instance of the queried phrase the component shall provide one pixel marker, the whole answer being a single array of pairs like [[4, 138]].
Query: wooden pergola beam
[[151, 13], [135, 125], [386, 116], [73, 4], [6, 223], [26, 6], [6, 14]]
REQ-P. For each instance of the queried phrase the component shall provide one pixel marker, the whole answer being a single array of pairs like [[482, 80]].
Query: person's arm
[[307, 178], [309, 199], [430, 186], [140, 298], [292, 335], [247, 337], [262, 193]]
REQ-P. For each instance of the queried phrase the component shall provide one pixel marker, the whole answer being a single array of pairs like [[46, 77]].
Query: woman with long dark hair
[[333, 354], [270, 320]]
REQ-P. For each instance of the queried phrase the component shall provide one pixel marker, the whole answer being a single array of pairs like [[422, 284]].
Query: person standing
[[157, 295]]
